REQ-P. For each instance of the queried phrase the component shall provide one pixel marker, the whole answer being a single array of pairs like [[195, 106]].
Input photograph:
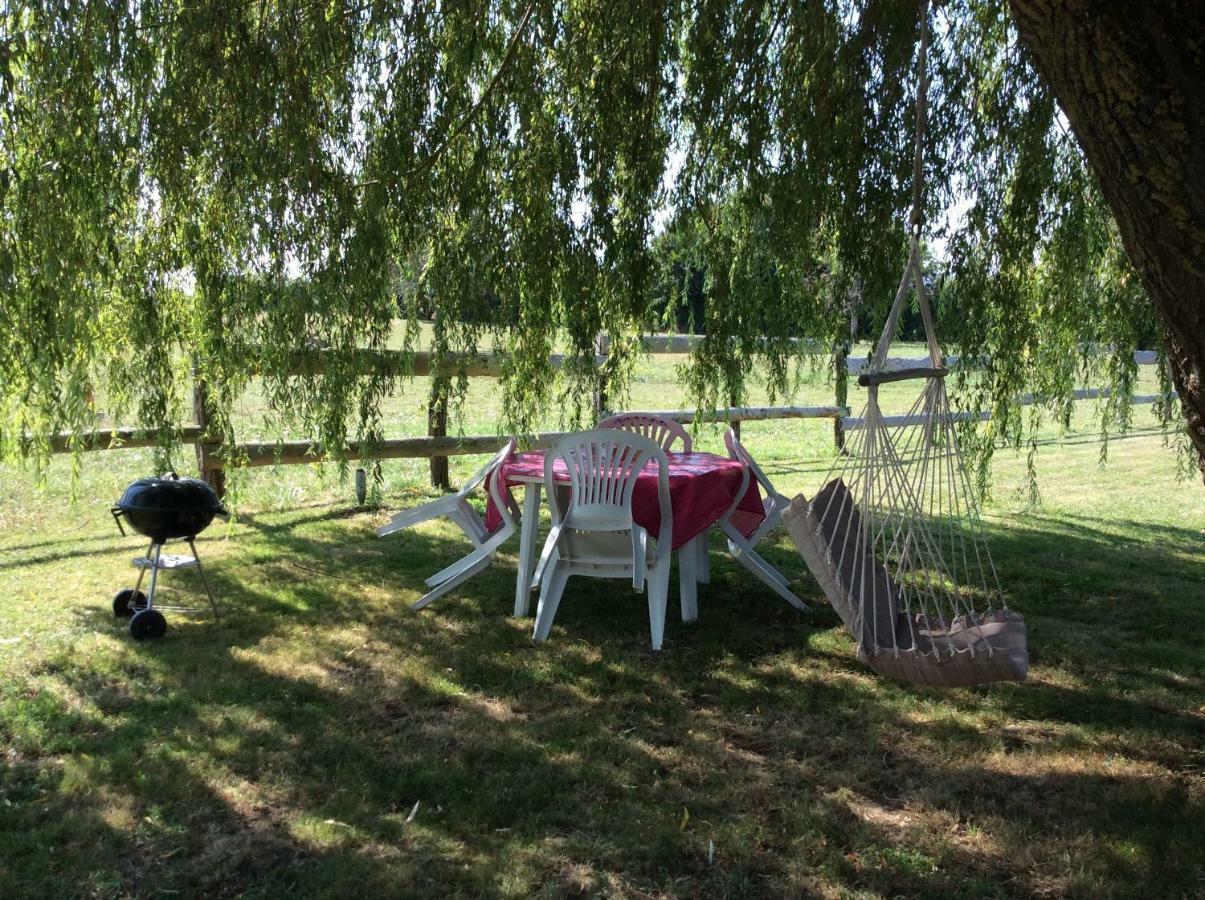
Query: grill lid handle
[[117, 512]]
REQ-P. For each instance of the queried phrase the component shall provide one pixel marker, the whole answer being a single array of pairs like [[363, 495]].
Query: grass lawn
[[323, 740]]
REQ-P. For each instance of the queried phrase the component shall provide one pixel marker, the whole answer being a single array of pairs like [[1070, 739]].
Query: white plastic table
[[692, 567]]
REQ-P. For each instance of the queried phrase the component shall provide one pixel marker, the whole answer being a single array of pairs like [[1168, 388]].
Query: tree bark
[[1130, 77]]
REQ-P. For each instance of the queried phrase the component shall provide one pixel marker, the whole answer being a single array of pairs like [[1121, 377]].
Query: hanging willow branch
[[468, 118], [224, 187]]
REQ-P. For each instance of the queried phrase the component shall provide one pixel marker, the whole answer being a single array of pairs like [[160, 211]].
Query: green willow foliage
[[220, 188]]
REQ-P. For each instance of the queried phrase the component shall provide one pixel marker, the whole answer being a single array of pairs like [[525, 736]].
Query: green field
[[323, 740]]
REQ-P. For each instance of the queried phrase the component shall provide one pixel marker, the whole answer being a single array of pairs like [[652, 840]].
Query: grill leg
[[205, 580], [150, 597], [141, 571]]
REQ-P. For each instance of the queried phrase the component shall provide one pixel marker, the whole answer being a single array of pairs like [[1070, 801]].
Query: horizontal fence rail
[[399, 363], [850, 423], [747, 413], [119, 438], [420, 363], [436, 445], [288, 453]]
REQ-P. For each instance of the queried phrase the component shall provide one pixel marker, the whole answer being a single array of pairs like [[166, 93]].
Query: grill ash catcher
[[163, 509]]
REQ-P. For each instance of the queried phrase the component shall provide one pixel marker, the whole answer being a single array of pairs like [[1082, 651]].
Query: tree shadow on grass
[[283, 749], [65, 538], [1101, 599], [63, 551]]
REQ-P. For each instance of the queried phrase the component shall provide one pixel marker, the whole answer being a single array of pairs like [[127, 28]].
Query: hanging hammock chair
[[894, 537]]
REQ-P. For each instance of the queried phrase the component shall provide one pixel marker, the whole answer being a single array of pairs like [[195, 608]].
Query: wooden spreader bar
[[870, 378]]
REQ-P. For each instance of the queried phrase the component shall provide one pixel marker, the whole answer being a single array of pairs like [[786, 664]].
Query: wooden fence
[[438, 446]]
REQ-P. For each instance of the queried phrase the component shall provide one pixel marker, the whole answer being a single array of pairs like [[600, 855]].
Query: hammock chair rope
[[913, 270], [894, 537]]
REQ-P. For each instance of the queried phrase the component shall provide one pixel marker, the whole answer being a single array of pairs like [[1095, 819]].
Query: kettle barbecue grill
[[163, 509]]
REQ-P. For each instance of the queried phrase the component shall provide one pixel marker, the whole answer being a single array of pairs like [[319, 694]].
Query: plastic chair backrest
[[603, 466], [737, 451], [495, 463], [662, 432], [494, 487]]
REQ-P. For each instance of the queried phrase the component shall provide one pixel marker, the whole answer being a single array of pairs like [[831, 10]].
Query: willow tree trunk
[[1130, 78]]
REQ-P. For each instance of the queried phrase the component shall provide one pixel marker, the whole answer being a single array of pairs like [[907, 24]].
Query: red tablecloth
[[701, 487]]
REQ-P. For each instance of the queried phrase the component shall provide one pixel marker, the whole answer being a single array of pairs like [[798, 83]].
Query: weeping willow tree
[[215, 190]]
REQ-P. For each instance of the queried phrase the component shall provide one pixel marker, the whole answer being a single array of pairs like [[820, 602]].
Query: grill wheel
[[148, 623], [128, 601]]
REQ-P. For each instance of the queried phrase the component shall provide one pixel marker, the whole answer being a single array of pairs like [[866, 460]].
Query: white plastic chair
[[457, 508], [665, 433], [774, 505], [662, 432], [596, 535]]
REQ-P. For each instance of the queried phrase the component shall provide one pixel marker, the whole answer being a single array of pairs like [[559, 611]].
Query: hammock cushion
[[844, 567], [828, 533], [986, 647]]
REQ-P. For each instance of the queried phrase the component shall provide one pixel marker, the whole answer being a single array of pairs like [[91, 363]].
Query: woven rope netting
[[896, 539], [895, 536], [919, 516]]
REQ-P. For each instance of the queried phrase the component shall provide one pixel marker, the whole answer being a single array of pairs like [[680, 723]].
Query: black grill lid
[[168, 493]]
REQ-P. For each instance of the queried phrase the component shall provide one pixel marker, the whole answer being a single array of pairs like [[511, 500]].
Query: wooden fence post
[[208, 462], [736, 424], [841, 376], [437, 407], [841, 398], [437, 426], [601, 348]]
